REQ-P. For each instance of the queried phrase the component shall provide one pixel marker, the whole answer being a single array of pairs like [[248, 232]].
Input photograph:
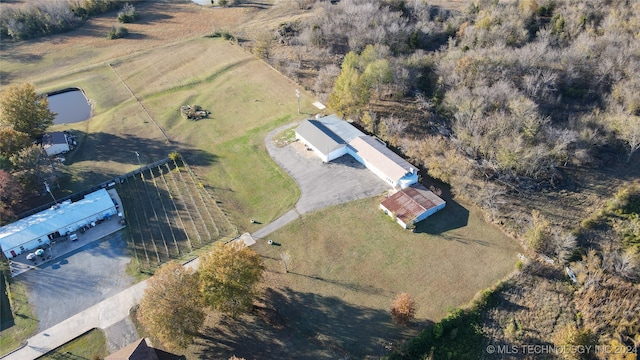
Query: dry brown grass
[[161, 24], [533, 306]]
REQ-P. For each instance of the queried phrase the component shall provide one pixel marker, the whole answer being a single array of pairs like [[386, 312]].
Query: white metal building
[[324, 142], [331, 137], [38, 229], [383, 162]]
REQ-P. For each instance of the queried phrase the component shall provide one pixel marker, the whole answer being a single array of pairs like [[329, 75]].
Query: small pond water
[[71, 106], [202, 2]]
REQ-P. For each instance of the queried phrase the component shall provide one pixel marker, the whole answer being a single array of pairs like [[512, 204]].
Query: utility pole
[[138, 156], [46, 185], [298, 96]]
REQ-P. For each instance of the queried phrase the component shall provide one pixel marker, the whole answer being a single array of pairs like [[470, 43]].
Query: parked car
[[73, 237]]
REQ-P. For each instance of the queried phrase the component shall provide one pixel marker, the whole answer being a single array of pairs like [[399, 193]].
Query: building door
[[13, 253]]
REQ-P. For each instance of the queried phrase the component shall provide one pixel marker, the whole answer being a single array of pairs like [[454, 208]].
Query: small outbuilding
[[55, 143], [64, 218], [412, 205]]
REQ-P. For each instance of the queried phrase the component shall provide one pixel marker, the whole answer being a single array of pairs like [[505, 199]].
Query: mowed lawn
[[348, 264], [246, 97]]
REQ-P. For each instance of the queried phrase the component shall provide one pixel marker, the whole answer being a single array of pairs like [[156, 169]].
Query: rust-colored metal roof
[[411, 202]]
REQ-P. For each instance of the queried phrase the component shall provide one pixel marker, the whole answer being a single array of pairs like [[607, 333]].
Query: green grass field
[[88, 346], [247, 99], [24, 318]]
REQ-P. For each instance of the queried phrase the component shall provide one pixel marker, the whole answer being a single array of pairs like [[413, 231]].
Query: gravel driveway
[[78, 280]]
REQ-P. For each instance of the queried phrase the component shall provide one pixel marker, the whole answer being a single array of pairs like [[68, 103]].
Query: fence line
[[102, 185], [141, 105]]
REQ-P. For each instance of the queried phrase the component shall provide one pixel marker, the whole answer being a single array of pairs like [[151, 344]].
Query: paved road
[[321, 185]]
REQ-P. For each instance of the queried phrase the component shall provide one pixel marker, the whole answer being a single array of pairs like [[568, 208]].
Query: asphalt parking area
[[78, 280], [324, 184]]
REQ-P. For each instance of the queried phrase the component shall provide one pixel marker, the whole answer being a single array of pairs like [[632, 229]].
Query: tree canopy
[[229, 276], [171, 309], [24, 111]]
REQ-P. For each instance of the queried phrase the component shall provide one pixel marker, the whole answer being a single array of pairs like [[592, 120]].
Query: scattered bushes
[[50, 17]]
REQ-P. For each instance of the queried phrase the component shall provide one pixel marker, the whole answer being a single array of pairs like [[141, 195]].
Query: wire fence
[[103, 185]]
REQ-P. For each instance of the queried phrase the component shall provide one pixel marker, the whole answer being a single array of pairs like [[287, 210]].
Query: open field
[[165, 70], [335, 300], [226, 151]]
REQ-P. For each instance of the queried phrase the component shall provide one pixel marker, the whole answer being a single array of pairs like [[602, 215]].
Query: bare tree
[[286, 259]]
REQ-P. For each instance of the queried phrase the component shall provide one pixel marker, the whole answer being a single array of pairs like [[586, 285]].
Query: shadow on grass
[[150, 17], [122, 149], [453, 216], [6, 315], [347, 285], [5, 77], [299, 325]]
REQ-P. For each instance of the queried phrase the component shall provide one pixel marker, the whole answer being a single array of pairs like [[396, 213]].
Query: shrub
[[174, 156], [128, 14], [403, 309], [117, 32]]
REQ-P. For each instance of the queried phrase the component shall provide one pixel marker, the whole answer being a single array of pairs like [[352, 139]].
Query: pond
[[202, 2], [71, 106]]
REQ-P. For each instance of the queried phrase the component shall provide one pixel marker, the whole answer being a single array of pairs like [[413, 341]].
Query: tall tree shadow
[[299, 325]]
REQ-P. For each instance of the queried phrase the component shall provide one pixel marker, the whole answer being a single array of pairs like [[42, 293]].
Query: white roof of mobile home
[[53, 219]]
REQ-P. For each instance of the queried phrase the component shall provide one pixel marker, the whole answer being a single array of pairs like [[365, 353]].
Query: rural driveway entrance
[[321, 184]]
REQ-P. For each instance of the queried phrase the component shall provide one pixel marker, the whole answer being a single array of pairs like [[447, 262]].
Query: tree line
[[24, 165], [519, 89]]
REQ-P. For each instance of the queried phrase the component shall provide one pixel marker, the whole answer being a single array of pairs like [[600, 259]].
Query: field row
[[170, 213]]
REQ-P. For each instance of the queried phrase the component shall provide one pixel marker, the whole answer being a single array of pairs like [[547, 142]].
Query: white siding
[[430, 212], [56, 149]]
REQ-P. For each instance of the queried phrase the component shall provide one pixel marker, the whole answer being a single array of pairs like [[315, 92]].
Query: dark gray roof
[[320, 136], [53, 138]]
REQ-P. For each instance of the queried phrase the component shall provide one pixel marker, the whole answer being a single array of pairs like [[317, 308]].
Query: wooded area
[[501, 101]]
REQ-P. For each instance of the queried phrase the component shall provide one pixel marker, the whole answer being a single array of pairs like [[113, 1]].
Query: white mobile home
[[38, 229]]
